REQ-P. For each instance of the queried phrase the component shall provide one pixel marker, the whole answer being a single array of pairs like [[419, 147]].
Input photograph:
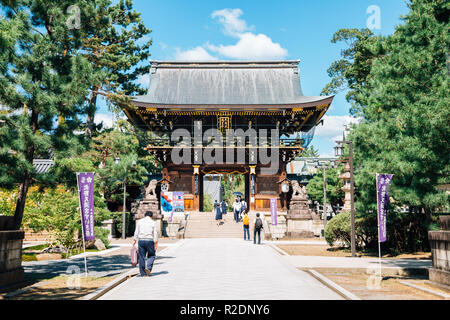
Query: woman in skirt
[[218, 209]]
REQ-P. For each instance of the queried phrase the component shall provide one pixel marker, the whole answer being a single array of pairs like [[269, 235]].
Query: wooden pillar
[[196, 190]]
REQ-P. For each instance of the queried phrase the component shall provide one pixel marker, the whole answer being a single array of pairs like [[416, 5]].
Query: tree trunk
[[90, 123], [26, 180]]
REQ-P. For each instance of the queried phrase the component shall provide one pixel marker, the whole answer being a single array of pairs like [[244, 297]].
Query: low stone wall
[[440, 251], [274, 232], [11, 270], [174, 228]]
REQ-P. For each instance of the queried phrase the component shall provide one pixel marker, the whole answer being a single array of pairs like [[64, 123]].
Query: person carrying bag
[[258, 225]]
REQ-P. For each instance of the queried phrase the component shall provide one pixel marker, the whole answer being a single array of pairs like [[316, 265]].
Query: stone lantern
[[346, 188]]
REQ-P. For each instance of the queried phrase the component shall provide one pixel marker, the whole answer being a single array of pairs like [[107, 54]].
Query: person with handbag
[[147, 234]]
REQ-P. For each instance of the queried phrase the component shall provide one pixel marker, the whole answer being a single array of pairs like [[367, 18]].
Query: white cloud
[[232, 24], [107, 119], [251, 46], [333, 127], [196, 54]]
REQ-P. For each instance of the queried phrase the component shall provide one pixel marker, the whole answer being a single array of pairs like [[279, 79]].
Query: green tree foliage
[[207, 203], [56, 210], [115, 41], [42, 76], [310, 152], [403, 96], [314, 188], [232, 183]]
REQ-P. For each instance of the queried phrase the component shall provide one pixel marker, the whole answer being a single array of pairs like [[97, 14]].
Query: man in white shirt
[[237, 209], [147, 234]]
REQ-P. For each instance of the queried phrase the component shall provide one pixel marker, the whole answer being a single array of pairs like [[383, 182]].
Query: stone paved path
[[220, 269]]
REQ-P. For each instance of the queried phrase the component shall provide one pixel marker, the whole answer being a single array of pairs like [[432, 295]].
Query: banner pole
[[378, 222], [82, 228]]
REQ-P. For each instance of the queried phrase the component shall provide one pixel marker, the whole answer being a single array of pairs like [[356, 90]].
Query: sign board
[[86, 194], [273, 211]]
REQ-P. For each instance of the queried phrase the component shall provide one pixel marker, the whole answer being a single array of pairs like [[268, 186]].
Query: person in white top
[[147, 234], [237, 209]]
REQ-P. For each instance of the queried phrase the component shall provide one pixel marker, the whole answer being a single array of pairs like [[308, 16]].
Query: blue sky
[[265, 30]]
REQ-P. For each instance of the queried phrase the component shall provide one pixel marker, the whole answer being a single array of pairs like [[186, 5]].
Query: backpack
[[258, 224], [245, 220]]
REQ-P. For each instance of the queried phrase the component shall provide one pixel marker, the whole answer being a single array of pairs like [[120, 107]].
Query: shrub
[[338, 229], [102, 234]]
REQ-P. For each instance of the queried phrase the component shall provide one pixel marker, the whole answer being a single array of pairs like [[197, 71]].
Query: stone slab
[[439, 276], [11, 276]]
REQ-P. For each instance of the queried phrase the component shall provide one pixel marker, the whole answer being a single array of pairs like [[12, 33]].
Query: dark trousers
[[236, 216], [146, 248], [257, 231], [246, 232]]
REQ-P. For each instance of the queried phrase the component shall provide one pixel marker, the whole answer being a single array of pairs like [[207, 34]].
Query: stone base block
[[301, 234], [439, 276], [12, 276]]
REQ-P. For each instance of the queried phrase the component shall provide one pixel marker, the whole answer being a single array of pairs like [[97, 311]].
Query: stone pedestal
[[139, 208], [440, 251], [11, 270], [300, 219], [174, 228], [274, 232], [151, 204]]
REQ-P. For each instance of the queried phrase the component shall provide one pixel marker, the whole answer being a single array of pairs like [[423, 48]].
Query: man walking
[[147, 234], [257, 225]]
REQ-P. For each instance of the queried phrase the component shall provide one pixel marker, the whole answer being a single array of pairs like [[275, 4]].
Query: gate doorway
[[222, 186]]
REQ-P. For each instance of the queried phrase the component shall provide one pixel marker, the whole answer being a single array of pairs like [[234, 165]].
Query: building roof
[[42, 165], [226, 83]]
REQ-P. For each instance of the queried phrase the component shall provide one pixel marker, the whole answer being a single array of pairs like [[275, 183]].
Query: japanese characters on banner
[[273, 211], [172, 202], [86, 194], [178, 201], [383, 183]]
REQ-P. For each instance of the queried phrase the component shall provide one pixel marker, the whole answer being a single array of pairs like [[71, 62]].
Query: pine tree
[[403, 96], [115, 42], [43, 82]]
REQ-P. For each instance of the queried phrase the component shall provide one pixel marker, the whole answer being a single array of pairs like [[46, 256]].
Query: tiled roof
[[42, 165], [227, 83]]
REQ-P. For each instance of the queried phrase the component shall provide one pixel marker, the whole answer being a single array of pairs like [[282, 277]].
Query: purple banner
[[383, 183], [86, 193], [273, 211]]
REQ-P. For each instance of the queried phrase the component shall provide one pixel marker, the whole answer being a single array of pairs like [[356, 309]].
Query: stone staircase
[[204, 225]]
